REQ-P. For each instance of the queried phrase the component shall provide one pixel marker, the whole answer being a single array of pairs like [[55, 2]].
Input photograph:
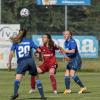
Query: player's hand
[[36, 54], [38, 50], [9, 66], [61, 51], [65, 51]]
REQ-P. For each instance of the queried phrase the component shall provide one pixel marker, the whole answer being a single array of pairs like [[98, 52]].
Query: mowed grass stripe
[[91, 79]]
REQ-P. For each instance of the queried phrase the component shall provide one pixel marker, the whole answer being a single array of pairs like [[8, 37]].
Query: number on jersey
[[23, 51]]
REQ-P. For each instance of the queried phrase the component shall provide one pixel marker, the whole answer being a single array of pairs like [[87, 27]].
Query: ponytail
[[22, 33]]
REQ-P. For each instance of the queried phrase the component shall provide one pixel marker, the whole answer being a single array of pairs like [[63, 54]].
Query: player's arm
[[69, 51], [38, 50], [38, 54], [61, 50], [56, 47], [11, 54], [33, 45], [73, 48]]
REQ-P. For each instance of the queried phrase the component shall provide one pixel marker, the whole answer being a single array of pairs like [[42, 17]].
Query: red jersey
[[48, 52]]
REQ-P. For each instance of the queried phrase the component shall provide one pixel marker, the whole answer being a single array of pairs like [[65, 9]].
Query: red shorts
[[48, 64]]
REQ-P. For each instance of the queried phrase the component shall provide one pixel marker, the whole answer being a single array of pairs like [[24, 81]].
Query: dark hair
[[51, 42], [22, 33]]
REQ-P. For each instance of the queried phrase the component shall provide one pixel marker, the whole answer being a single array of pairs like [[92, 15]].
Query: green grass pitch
[[91, 80]]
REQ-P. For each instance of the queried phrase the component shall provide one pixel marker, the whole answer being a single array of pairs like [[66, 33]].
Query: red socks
[[53, 82], [33, 82]]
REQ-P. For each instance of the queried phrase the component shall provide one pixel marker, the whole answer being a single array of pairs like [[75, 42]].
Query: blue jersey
[[24, 48], [69, 45]]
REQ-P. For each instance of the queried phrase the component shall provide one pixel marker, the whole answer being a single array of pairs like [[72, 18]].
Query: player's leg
[[75, 65], [32, 84], [67, 82], [20, 71], [33, 81], [77, 80], [33, 72], [40, 87], [53, 79], [16, 86]]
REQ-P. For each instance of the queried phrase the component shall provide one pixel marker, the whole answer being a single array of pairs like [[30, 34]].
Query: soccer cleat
[[31, 91], [82, 90], [67, 91], [55, 92], [14, 97]]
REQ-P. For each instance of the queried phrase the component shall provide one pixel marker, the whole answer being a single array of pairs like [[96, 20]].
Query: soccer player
[[49, 64], [73, 62], [25, 61]]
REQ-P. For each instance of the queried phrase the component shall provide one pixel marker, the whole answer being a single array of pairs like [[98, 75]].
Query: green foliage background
[[81, 19]]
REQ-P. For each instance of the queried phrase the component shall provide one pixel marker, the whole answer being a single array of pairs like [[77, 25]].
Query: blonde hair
[[69, 32]]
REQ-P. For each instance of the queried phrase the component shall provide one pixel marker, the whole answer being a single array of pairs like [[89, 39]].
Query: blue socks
[[40, 88], [16, 87], [67, 82], [77, 80]]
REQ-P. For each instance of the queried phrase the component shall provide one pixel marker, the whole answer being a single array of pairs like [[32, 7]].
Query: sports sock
[[16, 87], [67, 82], [77, 80], [40, 88], [33, 82], [53, 82]]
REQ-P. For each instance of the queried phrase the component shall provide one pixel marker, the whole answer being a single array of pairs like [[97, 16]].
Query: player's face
[[45, 39], [67, 35]]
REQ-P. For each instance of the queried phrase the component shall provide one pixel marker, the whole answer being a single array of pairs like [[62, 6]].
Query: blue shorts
[[75, 63], [27, 65]]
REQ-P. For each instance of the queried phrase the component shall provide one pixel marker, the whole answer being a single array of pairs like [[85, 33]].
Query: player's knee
[[72, 73], [39, 70], [66, 73], [73, 76], [51, 72], [19, 77]]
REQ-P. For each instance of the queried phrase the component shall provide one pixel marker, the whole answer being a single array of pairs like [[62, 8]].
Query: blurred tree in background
[[81, 19]]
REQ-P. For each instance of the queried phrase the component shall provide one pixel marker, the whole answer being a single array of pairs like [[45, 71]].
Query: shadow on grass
[[75, 92], [33, 98]]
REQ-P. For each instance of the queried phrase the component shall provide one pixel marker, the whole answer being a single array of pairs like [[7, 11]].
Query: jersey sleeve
[[33, 45], [41, 47], [13, 47], [73, 45], [56, 47]]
